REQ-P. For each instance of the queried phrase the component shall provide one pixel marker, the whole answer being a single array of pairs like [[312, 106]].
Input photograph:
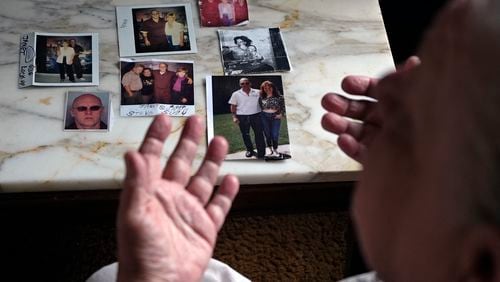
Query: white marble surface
[[326, 39]]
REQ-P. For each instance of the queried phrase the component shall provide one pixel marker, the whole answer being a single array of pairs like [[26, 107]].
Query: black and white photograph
[[155, 29], [65, 59], [250, 112], [259, 50], [87, 111], [153, 86]]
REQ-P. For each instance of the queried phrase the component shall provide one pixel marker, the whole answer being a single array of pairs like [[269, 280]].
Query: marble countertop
[[325, 39]]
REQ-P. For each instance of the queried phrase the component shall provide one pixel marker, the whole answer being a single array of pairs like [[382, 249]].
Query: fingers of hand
[[358, 85], [351, 147], [345, 107], [340, 125], [155, 136], [178, 167], [135, 179], [220, 204], [411, 63], [201, 185]]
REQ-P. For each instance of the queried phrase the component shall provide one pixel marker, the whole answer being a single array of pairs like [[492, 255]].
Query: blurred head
[[65, 43], [138, 68], [181, 72], [242, 41], [163, 67], [171, 17], [267, 88], [155, 14], [427, 207], [86, 111], [245, 84], [147, 72]]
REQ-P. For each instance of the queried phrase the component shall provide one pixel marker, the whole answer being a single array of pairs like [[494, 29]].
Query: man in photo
[[164, 82], [245, 111], [132, 83], [87, 110], [153, 31], [77, 66]]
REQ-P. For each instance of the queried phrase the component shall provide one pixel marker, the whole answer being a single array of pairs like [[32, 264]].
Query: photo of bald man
[[87, 111]]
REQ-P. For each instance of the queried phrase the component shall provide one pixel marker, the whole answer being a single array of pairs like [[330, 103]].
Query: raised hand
[[356, 122], [168, 220]]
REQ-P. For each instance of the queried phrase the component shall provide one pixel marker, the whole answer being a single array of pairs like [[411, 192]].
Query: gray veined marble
[[325, 39]]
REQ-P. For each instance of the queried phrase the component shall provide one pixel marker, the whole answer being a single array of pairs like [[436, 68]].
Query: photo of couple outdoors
[[157, 82], [250, 113]]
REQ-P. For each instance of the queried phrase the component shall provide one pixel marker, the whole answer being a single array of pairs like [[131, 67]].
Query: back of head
[[437, 156], [461, 102]]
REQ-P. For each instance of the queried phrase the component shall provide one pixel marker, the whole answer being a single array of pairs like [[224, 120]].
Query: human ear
[[479, 255]]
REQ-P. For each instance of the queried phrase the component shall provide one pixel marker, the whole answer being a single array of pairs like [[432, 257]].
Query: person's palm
[[355, 136], [168, 221]]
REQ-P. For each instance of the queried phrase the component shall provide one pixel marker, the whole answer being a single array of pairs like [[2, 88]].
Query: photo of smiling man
[[87, 111]]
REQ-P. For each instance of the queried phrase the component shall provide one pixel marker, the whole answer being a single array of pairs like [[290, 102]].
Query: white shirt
[[216, 271], [226, 9], [174, 31], [246, 104], [69, 52]]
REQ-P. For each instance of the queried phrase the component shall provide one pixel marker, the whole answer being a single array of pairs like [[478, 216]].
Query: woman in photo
[[182, 90], [174, 32], [147, 86], [244, 58], [226, 12], [273, 110], [65, 55]]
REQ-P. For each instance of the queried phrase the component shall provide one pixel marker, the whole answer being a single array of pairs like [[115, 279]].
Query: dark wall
[[405, 22]]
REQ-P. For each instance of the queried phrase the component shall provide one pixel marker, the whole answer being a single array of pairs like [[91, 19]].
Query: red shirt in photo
[[209, 10], [240, 11]]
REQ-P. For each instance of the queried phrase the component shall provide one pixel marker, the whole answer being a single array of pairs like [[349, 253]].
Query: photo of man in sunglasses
[[87, 112]]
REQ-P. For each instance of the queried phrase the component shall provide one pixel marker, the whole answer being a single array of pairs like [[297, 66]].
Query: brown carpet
[[68, 244], [287, 247]]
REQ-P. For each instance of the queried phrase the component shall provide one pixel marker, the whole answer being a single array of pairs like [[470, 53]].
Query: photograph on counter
[[259, 50], [155, 29], [250, 112], [87, 111], [60, 59], [153, 86], [223, 12]]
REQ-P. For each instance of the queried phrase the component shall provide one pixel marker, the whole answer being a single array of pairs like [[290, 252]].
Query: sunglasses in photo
[[91, 108]]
